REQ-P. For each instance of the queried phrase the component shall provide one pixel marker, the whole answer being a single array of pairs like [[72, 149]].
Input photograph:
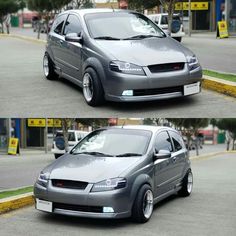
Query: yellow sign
[[42, 122], [13, 144], [195, 6], [222, 30]]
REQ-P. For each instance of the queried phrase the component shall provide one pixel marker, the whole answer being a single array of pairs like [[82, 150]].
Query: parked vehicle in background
[[116, 172], [119, 56], [177, 29], [58, 146]]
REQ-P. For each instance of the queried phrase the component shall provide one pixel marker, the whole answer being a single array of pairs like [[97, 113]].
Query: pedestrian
[[7, 23]]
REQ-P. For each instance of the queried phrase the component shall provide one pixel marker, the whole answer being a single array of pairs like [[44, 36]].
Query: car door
[[56, 39], [163, 167], [71, 50], [178, 156]]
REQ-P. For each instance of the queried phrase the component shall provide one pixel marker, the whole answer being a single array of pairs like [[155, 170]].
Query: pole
[[46, 136], [189, 18]]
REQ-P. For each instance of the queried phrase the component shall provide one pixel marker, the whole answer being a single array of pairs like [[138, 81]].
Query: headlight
[[192, 62], [43, 179], [126, 68], [109, 184]]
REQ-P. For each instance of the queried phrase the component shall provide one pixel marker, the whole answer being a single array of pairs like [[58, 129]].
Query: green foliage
[[143, 4], [46, 6], [228, 124], [8, 6]]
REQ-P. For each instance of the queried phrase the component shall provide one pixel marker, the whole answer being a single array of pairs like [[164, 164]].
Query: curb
[[209, 155], [219, 86], [13, 203], [24, 38]]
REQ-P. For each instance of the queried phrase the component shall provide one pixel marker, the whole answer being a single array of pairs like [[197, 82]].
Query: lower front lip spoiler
[[92, 214]]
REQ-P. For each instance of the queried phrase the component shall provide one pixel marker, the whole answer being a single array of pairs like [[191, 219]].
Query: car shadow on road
[[74, 221]]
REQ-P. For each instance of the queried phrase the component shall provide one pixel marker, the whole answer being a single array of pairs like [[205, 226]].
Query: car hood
[[89, 168], [145, 52]]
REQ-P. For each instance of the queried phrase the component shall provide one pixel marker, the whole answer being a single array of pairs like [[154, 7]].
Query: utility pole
[[46, 136], [189, 18]]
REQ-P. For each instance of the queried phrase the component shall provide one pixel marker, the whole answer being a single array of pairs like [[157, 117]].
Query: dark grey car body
[[72, 59], [164, 176]]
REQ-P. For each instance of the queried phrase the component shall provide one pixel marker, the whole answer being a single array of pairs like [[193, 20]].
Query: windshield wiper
[[142, 36], [129, 154], [107, 38], [93, 154]]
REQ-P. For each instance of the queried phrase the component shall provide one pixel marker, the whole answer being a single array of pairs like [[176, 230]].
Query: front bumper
[[167, 84], [84, 203]]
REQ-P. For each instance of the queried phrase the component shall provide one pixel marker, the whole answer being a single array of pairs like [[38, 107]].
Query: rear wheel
[[92, 88], [143, 205], [48, 68], [187, 185]]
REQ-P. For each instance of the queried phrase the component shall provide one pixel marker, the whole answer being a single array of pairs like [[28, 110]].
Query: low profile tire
[[48, 68], [92, 88], [187, 184], [143, 205]]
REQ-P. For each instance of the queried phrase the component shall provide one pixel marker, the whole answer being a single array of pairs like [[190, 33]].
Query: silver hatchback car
[[119, 55], [116, 172]]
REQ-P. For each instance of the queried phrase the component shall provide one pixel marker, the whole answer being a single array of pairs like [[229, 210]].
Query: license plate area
[[43, 205], [191, 89]]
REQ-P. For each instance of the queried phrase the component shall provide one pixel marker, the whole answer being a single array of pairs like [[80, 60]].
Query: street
[[25, 93], [210, 210]]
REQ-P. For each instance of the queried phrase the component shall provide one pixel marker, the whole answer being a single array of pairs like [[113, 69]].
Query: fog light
[[127, 93], [108, 210]]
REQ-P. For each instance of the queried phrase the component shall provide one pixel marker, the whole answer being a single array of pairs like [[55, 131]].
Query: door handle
[[61, 41], [174, 159]]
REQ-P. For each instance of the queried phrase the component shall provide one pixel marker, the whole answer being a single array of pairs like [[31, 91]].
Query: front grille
[[70, 207], [157, 91], [61, 183], [166, 67]]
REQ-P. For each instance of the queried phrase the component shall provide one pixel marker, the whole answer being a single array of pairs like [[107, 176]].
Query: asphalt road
[[214, 54], [210, 210], [25, 93]]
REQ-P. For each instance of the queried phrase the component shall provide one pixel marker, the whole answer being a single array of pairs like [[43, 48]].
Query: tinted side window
[[72, 25], [163, 142], [177, 140], [58, 24]]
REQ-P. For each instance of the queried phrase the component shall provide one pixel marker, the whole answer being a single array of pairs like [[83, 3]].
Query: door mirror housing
[[162, 154], [74, 38]]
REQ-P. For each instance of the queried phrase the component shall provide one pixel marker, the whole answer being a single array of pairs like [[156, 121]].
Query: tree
[[143, 4], [169, 5], [84, 4], [8, 7], [228, 124], [190, 127], [66, 124], [94, 123], [45, 7]]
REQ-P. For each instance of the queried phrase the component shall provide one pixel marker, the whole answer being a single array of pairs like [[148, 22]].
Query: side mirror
[[162, 154], [73, 37]]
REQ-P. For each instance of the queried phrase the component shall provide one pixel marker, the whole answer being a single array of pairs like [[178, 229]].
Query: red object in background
[[112, 121], [123, 4]]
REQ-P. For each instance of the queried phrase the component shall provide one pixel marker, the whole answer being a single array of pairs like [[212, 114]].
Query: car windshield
[[114, 143], [121, 25]]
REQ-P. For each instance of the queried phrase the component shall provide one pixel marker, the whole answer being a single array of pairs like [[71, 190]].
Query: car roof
[[142, 127], [70, 130], [83, 12]]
